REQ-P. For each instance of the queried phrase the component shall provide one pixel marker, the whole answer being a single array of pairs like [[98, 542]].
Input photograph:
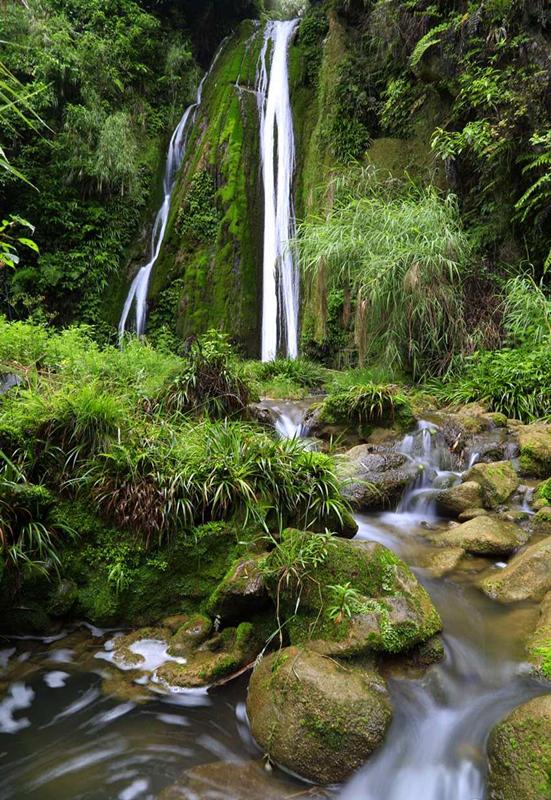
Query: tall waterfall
[[277, 147], [175, 156]]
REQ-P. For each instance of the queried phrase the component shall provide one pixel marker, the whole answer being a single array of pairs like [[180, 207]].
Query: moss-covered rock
[[535, 449], [543, 492], [242, 591], [538, 645], [527, 576], [318, 718], [520, 753], [485, 536], [389, 609], [497, 481], [457, 499]]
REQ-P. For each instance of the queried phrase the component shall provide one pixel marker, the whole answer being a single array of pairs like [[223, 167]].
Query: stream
[[67, 732]]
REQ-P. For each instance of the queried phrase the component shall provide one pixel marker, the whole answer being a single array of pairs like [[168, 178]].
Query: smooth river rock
[[319, 718], [497, 482], [520, 753], [458, 499], [485, 536], [527, 576]]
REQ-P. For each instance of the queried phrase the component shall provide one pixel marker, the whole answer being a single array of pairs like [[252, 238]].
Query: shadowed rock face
[[520, 753], [233, 781], [316, 717]]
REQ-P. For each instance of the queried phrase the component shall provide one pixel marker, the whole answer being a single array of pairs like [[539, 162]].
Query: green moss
[[543, 491]]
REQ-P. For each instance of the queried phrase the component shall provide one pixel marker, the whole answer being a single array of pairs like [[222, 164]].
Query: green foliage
[[516, 383], [367, 404], [404, 253], [426, 42], [11, 240], [83, 425], [527, 311], [29, 534], [300, 372], [199, 217], [295, 557], [312, 31], [210, 382], [536, 199]]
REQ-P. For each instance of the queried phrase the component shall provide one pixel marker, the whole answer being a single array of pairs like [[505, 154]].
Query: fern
[[430, 39], [537, 198]]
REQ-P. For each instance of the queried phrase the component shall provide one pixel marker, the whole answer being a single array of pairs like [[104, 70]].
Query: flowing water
[[70, 728], [280, 284], [137, 294]]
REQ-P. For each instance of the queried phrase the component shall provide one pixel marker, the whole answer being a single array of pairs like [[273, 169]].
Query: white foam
[[19, 697], [55, 679]]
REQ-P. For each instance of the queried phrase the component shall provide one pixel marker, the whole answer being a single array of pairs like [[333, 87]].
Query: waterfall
[[175, 156], [277, 148]]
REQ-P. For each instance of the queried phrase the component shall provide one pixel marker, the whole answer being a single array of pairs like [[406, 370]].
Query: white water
[[277, 147], [137, 294]]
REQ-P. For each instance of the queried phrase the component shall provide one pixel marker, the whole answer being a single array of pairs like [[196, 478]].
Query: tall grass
[[403, 252]]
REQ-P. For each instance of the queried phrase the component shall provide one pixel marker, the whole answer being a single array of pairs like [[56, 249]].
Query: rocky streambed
[[409, 661]]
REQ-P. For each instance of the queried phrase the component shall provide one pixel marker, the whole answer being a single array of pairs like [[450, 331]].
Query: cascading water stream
[[175, 156], [280, 286]]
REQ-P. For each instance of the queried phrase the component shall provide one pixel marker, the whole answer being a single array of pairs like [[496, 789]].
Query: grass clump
[[287, 378], [404, 254], [367, 404]]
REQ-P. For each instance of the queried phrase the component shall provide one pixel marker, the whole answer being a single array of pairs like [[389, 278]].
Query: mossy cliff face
[[208, 272]]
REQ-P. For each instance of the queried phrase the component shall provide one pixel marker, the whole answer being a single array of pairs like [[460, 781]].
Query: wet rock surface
[[229, 780], [458, 499], [497, 482], [484, 536], [520, 753], [374, 477], [319, 718], [527, 576]]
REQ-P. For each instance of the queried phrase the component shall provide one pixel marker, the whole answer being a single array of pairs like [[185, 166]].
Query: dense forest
[[275, 399]]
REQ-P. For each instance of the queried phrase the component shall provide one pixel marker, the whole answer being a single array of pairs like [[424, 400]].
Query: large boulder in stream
[[538, 646], [242, 590], [526, 577], [458, 499], [520, 753], [497, 482], [353, 598], [374, 477], [319, 718], [535, 449], [483, 536]]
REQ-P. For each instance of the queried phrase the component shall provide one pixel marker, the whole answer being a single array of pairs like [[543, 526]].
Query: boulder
[[472, 513], [374, 477], [541, 522], [457, 499], [445, 561], [358, 598], [520, 753], [227, 779], [527, 576], [538, 646], [497, 481], [316, 717], [242, 590], [485, 536], [192, 632], [535, 449]]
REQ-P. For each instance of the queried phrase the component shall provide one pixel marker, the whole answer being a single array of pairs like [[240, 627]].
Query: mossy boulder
[[217, 658], [543, 492], [520, 753], [497, 481], [458, 499], [242, 591], [484, 536], [541, 521], [190, 634], [374, 477], [538, 646], [526, 577], [389, 609], [319, 718], [535, 449]]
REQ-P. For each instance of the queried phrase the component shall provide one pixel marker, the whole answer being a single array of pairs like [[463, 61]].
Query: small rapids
[[71, 729]]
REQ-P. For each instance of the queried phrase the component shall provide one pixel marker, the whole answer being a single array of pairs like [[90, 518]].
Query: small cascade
[[137, 294], [280, 286], [432, 458]]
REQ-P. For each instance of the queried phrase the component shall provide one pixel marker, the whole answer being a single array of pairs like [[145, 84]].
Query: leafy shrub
[[404, 253], [367, 404], [209, 472], [209, 382], [300, 372], [516, 383]]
